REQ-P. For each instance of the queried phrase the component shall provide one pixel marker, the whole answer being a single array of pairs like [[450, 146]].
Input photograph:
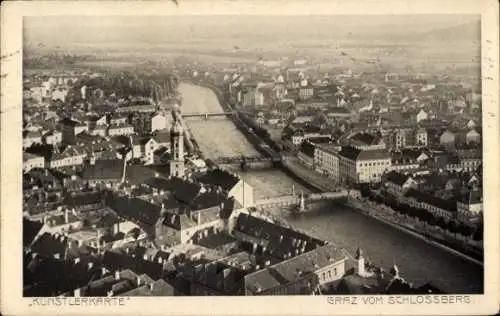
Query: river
[[418, 261]]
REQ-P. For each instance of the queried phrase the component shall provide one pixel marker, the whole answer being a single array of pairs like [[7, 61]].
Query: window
[[335, 271], [323, 276]]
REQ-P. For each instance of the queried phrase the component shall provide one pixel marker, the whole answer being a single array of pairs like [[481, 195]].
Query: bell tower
[[177, 147]]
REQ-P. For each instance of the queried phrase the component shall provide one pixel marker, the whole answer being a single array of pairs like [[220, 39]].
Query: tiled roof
[[307, 148], [162, 137], [48, 245], [53, 277], [320, 140], [30, 230], [399, 286], [448, 205], [180, 221], [407, 154], [137, 174], [28, 156], [28, 134], [58, 220], [281, 241], [86, 198], [288, 271], [366, 138], [208, 199], [472, 197], [353, 153], [104, 170], [185, 191], [218, 177], [428, 288], [69, 122], [41, 150], [157, 288], [350, 152], [115, 261], [397, 178], [135, 208]]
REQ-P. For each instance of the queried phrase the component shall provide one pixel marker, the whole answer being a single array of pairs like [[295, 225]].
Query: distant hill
[[464, 32]]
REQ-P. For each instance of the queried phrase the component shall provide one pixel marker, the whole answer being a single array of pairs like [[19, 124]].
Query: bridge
[[290, 200], [239, 159], [208, 114]]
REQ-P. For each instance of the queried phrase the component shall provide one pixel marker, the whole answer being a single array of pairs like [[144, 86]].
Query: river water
[[418, 261]]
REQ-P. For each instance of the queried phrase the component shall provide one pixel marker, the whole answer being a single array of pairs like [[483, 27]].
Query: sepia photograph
[[331, 155]]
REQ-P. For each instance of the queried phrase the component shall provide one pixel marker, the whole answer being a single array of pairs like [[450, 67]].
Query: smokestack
[[66, 217], [199, 218]]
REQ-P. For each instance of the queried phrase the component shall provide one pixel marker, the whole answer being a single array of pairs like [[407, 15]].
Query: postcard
[[249, 157]]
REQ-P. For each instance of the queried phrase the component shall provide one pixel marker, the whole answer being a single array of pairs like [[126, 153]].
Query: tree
[[478, 235], [452, 227], [441, 223], [465, 230], [431, 219]]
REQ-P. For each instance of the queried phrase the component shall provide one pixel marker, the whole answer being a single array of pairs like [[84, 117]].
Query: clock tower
[[177, 147]]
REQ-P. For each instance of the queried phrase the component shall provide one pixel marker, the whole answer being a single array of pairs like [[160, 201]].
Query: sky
[[162, 29]]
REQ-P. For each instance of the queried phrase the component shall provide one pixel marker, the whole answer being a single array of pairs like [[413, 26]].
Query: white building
[[71, 156], [327, 161], [470, 205], [363, 166], [159, 121], [117, 130], [59, 94], [53, 137], [32, 161], [31, 138], [422, 115]]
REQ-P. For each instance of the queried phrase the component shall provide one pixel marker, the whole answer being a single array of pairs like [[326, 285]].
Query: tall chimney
[[66, 217], [199, 218]]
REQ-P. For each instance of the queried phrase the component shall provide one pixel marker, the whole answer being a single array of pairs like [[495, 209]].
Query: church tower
[[361, 262], [177, 147]]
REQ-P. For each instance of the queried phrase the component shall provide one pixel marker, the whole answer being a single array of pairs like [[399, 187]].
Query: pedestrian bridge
[[207, 115], [289, 200]]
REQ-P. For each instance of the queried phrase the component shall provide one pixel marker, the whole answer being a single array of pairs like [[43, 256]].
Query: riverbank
[[348, 228], [359, 207], [319, 183]]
